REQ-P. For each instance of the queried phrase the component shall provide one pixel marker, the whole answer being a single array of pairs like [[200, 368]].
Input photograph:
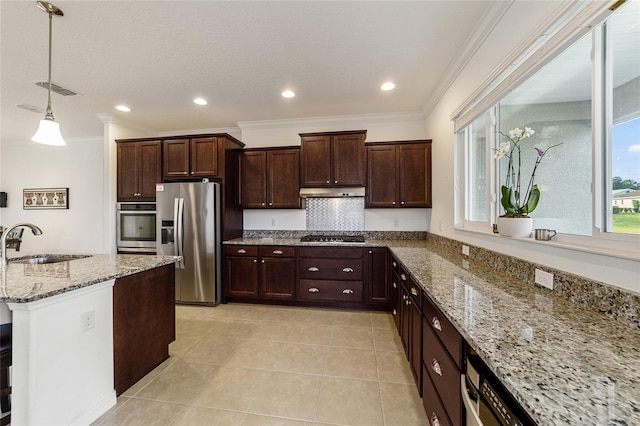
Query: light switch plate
[[465, 250], [545, 279]]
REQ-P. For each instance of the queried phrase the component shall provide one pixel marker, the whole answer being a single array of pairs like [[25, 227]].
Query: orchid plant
[[515, 202]]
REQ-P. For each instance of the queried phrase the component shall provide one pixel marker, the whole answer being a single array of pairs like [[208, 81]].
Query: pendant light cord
[[49, 114]]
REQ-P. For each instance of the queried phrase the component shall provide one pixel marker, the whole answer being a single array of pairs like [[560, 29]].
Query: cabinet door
[[150, 168], [382, 183], [278, 278], [204, 157], [415, 343], [253, 172], [376, 276], [127, 171], [175, 154], [242, 277], [283, 174], [348, 160], [405, 320], [414, 165], [315, 163]]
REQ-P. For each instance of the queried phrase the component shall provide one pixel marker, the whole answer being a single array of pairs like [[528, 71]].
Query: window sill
[[558, 243]]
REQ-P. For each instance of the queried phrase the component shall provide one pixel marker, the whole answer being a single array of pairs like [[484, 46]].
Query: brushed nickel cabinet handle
[[241, 251], [408, 302], [327, 181], [255, 260], [270, 204], [277, 252], [313, 269], [435, 421], [402, 203], [370, 251], [347, 270], [414, 291], [403, 277], [395, 312], [313, 290], [436, 324], [395, 285], [435, 366], [262, 260], [394, 264], [347, 291], [394, 203]]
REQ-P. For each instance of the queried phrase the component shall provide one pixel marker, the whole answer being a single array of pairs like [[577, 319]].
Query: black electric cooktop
[[333, 238]]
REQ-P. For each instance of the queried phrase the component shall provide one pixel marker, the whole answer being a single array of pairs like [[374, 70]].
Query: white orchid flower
[[515, 133], [528, 132]]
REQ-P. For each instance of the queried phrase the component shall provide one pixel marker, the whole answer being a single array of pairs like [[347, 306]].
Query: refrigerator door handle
[[178, 215]]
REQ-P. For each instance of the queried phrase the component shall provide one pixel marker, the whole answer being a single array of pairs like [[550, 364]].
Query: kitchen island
[[70, 321], [565, 365]]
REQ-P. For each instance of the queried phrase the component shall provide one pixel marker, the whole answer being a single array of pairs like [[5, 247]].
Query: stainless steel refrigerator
[[188, 225]]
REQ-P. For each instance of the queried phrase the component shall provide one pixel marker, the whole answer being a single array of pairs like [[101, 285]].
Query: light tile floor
[[241, 364]]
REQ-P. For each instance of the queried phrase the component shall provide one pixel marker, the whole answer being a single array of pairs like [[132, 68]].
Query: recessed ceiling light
[[199, 101], [123, 108], [288, 94], [387, 86]]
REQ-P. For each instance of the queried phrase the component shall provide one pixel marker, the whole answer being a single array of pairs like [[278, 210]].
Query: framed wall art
[[45, 198]]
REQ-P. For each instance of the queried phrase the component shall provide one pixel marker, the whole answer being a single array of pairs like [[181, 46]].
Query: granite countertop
[[565, 365], [23, 283]]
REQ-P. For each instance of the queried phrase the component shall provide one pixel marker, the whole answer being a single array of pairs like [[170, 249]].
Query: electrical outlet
[[88, 320], [545, 279], [396, 223], [465, 250]]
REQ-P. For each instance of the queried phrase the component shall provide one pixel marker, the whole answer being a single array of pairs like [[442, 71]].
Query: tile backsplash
[[335, 214]]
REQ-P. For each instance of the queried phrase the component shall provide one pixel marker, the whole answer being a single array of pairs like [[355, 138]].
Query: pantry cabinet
[[398, 174], [139, 168], [332, 159], [270, 178]]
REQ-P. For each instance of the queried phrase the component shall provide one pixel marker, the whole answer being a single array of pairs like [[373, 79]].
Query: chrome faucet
[[5, 235]]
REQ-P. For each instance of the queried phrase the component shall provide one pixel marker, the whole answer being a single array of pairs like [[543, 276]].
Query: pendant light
[[48, 132]]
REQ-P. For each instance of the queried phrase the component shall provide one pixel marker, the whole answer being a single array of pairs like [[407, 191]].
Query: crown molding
[[336, 120], [107, 118], [233, 131]]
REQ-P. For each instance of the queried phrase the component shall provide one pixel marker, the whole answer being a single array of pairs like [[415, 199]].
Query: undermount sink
[[46, 259]]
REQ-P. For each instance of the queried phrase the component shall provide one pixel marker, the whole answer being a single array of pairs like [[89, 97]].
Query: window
[[587, 99]]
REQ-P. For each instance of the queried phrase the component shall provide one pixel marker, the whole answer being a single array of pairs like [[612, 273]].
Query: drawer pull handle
[[403, 277], [408, 302], [436, 324], [404, 297], [277, 252], [313, 290], [395, 285], [313, 269], [394, 264], [255, 260], [395, 312], [347, 270], [435, 421], [435, 366], [347, 291], [242, 251], [414, 291]]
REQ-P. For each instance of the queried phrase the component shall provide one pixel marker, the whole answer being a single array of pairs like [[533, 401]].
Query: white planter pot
[[518, 227]]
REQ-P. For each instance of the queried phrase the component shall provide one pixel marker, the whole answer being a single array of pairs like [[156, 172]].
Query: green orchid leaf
[[534, 197], [505, 200]]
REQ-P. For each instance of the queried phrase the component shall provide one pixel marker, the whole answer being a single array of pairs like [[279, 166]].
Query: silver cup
[[545, 234]]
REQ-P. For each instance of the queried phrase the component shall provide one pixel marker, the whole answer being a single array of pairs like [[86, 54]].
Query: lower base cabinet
[[436, 413], [143, 323]]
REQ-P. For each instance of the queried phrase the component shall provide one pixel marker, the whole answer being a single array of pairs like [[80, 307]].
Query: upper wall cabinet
[[332, 159], [187, 158], [270, 178], [398, 174], [139, 169]]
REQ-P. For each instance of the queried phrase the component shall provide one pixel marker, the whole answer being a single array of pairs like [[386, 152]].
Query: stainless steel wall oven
[[136, 227]]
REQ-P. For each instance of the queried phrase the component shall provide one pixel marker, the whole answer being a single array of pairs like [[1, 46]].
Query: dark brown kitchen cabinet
[[260, 272], [332, 159], [139, 168], [270, 179], [398, 174], [377, 276], [394, 290], [190, 158], [411, 324]]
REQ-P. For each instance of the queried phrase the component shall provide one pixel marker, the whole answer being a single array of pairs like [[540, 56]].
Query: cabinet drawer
[[331, 269], [277, 251], [442, 328], [347, 291], [241, 250], [443, 372], [432, 405], [331, 252]]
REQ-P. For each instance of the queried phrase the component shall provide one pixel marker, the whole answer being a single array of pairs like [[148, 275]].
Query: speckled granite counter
[[22, 283], [564, 364]]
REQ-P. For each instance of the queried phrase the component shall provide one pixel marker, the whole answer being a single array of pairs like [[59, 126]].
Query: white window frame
[[600, 242]]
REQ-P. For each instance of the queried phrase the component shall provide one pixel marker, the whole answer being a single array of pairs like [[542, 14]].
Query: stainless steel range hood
[[346, 192]]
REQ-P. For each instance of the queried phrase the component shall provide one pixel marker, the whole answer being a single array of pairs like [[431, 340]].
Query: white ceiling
[[156, 56]]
